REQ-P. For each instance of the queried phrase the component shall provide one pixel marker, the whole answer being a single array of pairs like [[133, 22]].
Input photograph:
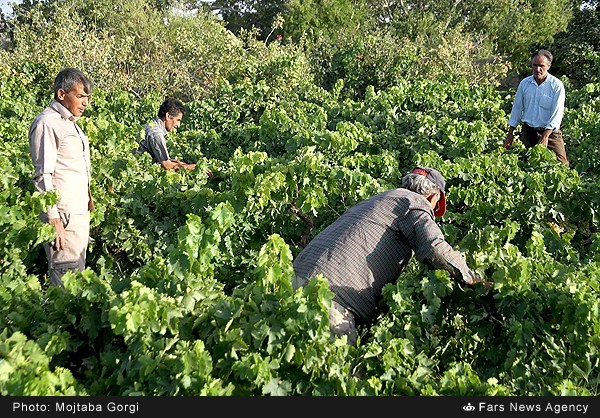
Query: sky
[[4, 4]]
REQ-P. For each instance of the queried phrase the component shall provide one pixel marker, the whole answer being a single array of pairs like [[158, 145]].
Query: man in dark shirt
[[372, 242], [154, 139]]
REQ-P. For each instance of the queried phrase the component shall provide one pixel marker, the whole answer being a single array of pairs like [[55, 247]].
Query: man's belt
[[542, 129]]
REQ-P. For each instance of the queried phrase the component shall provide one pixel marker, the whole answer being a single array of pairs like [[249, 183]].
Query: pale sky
[[4, 4]]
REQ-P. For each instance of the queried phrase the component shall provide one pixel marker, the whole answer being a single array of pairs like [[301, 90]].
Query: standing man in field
[[371, 244], [60, 153], [539, 105], [154, 141]]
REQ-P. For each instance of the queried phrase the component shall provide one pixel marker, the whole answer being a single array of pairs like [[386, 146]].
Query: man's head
[[429, 183], [73, 90], [171, 112], [541, 60]]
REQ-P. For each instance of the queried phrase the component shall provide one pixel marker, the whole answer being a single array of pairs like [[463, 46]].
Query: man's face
[[540, 66], [75, 100], [172, 122]]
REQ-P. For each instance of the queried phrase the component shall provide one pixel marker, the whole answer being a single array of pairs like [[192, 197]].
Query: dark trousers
[[531, 137]]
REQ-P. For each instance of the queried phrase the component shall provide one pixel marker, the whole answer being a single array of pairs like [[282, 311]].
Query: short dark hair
[[67, 78], [544, 53], [171, 106]]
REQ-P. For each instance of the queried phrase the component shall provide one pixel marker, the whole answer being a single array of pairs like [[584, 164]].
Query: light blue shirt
[[540, 106]]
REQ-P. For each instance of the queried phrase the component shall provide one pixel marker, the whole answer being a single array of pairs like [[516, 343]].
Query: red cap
[[436, 178]]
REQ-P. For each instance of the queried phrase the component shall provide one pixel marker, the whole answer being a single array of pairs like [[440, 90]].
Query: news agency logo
[[468, 407]]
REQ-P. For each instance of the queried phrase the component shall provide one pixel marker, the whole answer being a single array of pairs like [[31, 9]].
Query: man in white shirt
[[60, 153], [539, 105]]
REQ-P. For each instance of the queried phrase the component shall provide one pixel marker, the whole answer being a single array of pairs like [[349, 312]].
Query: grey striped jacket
[[371, 243]]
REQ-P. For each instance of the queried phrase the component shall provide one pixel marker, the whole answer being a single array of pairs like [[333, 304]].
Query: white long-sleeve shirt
[[539, 106], [60, 153]]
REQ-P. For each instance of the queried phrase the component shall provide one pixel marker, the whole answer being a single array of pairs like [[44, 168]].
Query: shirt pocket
[[71, 149], [547, 101]]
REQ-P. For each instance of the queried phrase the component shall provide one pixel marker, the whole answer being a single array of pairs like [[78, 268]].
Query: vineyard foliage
[[188, 286]]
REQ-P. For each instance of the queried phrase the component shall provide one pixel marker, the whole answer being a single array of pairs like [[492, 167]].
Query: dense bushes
[[125, 45], [187, 290], [188, 286]]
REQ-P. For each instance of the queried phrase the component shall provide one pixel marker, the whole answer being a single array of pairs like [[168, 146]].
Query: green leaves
[[188, 286], [25, 370]]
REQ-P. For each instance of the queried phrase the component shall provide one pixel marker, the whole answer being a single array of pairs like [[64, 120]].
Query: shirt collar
[[547, 80], [63, 111], [161, 124]]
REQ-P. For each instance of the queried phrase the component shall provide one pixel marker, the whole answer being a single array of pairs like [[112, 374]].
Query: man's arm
[[509, 137], [176, 164], [157, 147], [515, 115], [43, 152], [558, 110], [431, 247], [171, 164], [158, 150], [518, 107]]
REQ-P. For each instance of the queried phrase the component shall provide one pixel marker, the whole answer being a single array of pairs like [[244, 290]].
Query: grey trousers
[[72, 256]]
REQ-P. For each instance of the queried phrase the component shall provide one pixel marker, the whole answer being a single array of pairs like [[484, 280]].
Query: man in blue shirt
[[539, 105]]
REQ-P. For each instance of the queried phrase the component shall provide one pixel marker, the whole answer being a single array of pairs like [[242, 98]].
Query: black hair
[[171, 106], [67, 78]]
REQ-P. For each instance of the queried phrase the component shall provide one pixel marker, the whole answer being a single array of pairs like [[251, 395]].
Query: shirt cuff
[[53, 212]]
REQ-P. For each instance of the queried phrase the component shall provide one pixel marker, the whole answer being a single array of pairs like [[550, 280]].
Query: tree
[[510, 28], [247, 14], [577, 50], [328, 18], [123, 45]]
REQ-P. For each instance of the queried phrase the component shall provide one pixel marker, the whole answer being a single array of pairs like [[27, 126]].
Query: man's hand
[[477, 279], [169, 165], [59, 241], [509, 137], [172, 164], [508, 141], [189, 166]]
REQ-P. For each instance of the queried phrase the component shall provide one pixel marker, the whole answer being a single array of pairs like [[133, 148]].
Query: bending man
[[154, 141], [371, 244]]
